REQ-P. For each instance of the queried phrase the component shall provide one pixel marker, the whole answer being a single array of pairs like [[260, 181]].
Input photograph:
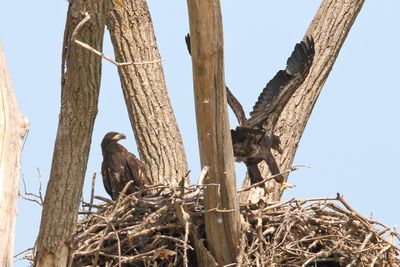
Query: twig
[[40, 186], [286, 233], [203, 174], [271, 177], [383, 250], [322, 254], [341, 199], [26, 197], [22, 252], [360, 249], [277, 205], [185, 246], [101, 54], [92, 191], [260, 239], [119, 244], [103, 199], [30, 196]]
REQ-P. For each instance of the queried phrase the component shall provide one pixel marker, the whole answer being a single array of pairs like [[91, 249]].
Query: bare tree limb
[[101, 54]]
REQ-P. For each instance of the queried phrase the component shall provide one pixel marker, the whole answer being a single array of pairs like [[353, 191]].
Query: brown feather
[[280, 89], [119, 167]]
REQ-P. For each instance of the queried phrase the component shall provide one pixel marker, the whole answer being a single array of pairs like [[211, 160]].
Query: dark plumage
[[280, 89], [254, 138], [253, 142], [120, 166], [251, 146]]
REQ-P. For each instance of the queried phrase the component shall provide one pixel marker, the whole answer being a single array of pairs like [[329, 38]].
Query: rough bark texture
[[81, 70], [329, 28], [215, 145], [13, 127], [157, 135]]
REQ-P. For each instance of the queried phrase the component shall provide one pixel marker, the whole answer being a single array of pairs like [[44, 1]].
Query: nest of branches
[[153, 227]]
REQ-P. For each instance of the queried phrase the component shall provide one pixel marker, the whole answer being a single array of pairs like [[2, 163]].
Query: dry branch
[[101, 54]]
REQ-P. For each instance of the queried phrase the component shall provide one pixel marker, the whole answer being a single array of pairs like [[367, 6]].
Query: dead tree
[[222, 220], [13, 128]]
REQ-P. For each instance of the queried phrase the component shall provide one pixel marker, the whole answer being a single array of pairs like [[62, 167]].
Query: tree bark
[[154, 125], [81, 70], [13, 127], [329, 29], [222, 221]]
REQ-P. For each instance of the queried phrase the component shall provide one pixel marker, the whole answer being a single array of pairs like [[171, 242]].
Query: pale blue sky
[[351, 141]]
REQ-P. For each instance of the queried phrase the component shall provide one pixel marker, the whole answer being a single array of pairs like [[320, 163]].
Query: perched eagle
[[254, 138], [120, 166]]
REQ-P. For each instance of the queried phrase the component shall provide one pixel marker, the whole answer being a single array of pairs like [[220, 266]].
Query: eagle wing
[[105, 172], [279, 90], [137, 170]]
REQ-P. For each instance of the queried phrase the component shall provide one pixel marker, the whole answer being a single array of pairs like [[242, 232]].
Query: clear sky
[[351, 141]]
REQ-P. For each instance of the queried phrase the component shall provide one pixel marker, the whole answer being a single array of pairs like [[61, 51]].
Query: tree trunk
[[13, 127], [154, 125], [215, 145], [81, 70], [329, 28]]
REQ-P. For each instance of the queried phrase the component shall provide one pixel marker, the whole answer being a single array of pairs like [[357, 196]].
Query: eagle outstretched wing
[[254, 138], [280, 89]]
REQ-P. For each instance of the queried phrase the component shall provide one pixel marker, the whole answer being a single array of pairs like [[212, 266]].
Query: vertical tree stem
[[79, 97], [222, 228], [12, 130], [157, 135]]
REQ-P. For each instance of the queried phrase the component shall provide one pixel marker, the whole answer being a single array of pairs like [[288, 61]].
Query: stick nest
[[150, 228]]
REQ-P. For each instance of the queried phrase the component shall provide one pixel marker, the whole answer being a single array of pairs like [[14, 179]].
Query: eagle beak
[[119, 136]]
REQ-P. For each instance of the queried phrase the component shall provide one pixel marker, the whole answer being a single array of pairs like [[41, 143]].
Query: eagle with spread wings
[[254, 138], [119, 167]]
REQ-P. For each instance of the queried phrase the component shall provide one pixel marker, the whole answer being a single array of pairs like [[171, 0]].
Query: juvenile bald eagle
[[120, 166], [254, 138]]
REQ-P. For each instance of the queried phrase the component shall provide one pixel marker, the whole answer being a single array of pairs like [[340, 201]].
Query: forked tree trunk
[[80, 84], [222, 223], [13, 127], [329, 28], [157, 135]]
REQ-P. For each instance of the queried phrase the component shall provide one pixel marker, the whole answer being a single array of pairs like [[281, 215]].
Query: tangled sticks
[[144, 230]]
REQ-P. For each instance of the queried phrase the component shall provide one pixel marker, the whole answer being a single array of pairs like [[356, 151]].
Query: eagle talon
[[285, 185]]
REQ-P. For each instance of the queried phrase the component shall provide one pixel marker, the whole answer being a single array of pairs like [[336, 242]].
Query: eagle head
[[111, 138]]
